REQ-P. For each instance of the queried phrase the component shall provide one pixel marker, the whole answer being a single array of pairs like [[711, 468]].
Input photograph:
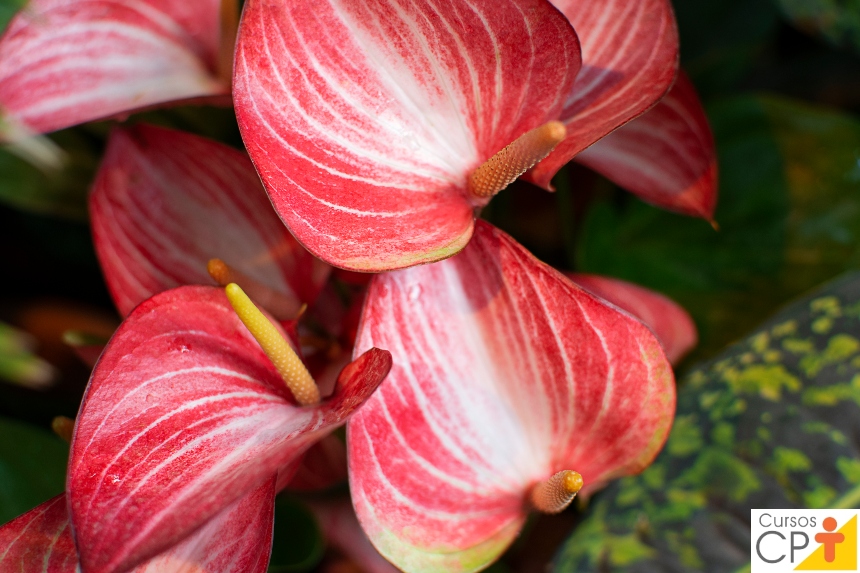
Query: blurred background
[[780, 80]]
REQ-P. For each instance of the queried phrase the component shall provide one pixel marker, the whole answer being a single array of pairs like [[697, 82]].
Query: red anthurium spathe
[[510, 385], [184, 415], [380, 127], [367, 119], [629, 61], [671, 324], [667, 157], [165, 203], [64, 62], [238, 540]]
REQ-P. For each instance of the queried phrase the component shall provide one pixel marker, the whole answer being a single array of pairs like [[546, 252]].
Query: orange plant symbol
[[829, 540]]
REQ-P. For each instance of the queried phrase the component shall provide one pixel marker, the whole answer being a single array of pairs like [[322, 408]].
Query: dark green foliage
[[297, 543], [32, 467], [838, 21], [789, 215], [772, 422]]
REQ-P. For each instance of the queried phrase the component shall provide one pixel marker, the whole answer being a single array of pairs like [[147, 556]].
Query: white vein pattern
[[39, 541], [165, 202], [178, 424], [504, 373], [365, 118], [667, 156], [69, 62], [236, 541], [671, 324], [630, 59]]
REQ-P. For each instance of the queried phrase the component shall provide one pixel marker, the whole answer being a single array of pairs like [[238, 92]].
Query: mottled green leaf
[[32, 467], [789, 212], [748, 435]]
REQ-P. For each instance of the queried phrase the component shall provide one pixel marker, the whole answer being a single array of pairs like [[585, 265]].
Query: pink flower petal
[[671, 324], [183, 415], [165, 202], [238, 540], [64, 62], [365, 118], [666, 157], [629, 61], [39, 541], [504, 373]]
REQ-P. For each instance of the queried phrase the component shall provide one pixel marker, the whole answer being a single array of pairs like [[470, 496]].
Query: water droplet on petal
[[414, 292]]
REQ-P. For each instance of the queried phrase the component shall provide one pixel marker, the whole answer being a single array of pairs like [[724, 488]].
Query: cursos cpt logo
[[803, 540]]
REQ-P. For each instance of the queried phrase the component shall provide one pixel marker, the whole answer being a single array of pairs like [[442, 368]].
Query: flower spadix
[[185, 414], [64, 62], [367, 119], [275, 345], [512, 388], [379, 127]]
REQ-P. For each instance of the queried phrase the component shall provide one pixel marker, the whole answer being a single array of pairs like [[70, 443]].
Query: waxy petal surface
[[165, 202], [365, 118], [184, 414], [39, 541], [504, 373], [64, 62], [238, 540], [671, 324], [629, 61], [667, 157]]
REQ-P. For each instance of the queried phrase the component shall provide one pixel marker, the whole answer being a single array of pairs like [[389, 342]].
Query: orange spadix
[[283, 357], [516, 158], [280, 306], [556, 493]]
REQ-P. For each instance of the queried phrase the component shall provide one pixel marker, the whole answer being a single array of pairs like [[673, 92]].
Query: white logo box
[[785, 539]]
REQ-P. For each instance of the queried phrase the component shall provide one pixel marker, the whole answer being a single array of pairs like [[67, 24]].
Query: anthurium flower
[[380, 127], [511, 389], [64, 62], [671, 324], [165, 203], [667, 156], [197, 401], [236, 541]]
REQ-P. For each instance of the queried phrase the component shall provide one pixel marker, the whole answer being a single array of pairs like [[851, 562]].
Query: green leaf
[[297, 544], [740, 445], [18, 364], [60, 193], [837, 21], [721, 39], [8, 9], [32, 467], [789, 212]]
